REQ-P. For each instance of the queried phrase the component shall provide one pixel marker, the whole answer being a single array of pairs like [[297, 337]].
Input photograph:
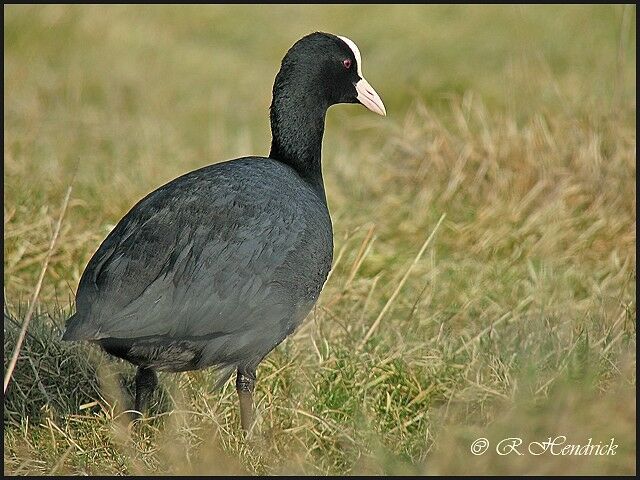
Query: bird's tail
[[76, 329]]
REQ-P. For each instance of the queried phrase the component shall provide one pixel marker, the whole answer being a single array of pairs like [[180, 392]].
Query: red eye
[[346, 63]]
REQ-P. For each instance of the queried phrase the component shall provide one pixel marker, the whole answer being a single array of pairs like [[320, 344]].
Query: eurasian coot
[[218, 266]]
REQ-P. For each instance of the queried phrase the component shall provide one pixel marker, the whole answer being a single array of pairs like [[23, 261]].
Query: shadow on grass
[[54, 378]]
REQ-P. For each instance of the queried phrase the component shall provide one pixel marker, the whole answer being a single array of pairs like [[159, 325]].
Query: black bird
[[220, 265]]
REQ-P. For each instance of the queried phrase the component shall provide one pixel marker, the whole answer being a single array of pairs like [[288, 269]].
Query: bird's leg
[[245, 381], [146, 382]]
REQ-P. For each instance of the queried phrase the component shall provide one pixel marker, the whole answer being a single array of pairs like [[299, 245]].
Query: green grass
[[517, 123]]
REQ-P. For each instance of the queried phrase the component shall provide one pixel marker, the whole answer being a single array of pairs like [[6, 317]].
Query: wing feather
[[198, 257]]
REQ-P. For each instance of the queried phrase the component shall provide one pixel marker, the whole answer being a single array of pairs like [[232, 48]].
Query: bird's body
[[202, 272], [218, 266]]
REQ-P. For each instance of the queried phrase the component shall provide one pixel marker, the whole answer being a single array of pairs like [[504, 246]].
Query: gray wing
[[196, 259]]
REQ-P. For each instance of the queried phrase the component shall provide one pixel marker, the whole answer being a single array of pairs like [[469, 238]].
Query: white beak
[[368, 97]]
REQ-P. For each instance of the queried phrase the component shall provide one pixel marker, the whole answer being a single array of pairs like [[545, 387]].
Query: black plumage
[[218, 266]]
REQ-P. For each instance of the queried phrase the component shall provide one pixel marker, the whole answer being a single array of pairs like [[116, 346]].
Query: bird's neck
[[297, 127]]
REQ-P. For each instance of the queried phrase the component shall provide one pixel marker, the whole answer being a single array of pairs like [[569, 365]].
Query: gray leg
[[245, 381], [146, 382]]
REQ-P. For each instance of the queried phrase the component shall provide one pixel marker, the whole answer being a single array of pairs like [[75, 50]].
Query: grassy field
[[516, 320]]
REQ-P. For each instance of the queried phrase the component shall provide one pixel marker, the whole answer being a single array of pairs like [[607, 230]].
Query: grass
[[518, 320]]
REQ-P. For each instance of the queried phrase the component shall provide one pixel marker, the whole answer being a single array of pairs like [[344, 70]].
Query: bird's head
[[327, 69]]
